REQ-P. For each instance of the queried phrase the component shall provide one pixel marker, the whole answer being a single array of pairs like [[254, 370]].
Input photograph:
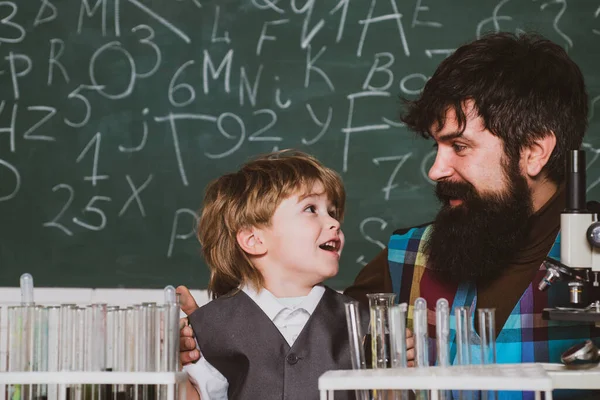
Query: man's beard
[[476, 240]]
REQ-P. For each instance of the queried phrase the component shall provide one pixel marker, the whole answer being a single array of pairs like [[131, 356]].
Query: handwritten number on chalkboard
[[8, 22], [221, 128], [255, 137], [94, 177], [88, 108], [390, 184], [95, 210], [186, 87], [54, 223], [148, 41]]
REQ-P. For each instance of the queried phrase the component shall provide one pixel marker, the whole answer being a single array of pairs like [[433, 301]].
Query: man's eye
[[458, 147]]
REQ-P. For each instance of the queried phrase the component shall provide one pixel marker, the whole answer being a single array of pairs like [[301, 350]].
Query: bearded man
[[504, 111]]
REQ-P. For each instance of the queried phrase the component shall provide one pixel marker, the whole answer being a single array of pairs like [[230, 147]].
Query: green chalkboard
[[115, 114]]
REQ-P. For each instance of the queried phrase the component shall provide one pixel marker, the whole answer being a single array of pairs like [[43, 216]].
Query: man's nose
[[441, 168]]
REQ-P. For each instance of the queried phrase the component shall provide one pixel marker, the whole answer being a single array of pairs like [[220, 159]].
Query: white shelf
[[532, 377], [100, 378], [566, 378]]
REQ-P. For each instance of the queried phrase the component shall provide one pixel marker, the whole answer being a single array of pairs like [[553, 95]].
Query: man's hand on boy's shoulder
[[188, 353]]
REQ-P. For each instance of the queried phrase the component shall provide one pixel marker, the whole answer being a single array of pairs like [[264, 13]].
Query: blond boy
[[270, 234]]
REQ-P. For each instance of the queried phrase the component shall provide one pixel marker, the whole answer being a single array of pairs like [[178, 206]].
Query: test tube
[[147, 348], [487, 333], [355, 335], [28, 330], [171, 330], [397, 318], [98, 339], [53, 347], [170, 295], [111, 337], [67, 336], [420, 327], [421, 340], [40, 347], [379, 348], [442, 325], [16, 347], [463, 336], [398, 335], [26, 283], [132, 333]]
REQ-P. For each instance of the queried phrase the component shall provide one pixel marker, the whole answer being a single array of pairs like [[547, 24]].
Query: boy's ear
[[536, 155], [249, 239]]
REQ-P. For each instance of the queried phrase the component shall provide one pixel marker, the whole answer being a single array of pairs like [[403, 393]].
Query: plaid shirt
[[525, 337]]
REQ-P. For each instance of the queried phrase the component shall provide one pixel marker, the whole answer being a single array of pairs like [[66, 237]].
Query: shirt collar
[[272, 306]]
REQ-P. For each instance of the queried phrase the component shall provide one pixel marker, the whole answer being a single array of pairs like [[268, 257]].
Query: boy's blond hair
[[248, 198]]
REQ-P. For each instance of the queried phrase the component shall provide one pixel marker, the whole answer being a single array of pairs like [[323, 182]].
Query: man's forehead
[[451, 128]]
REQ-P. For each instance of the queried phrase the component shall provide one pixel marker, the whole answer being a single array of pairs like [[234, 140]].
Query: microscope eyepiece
[[576, 181]]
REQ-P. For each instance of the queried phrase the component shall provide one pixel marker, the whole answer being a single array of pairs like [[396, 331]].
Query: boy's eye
[[312, 209]]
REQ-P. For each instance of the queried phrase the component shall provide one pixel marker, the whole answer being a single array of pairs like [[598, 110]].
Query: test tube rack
[[534, 377], [173, 383]]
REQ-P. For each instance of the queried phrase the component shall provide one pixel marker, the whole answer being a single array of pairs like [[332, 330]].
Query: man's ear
[[250, 240], [536, 156]]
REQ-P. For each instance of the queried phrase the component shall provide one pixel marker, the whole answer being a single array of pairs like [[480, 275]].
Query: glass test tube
[[26, 283], [397, 318], [442, 325], [355, 335], [487, 333], [98, 338], [16, 347], [421, 340], [379, 304], [132, 332], [463, 336], [53, 353], [398, 335], [357, 353], [147, 348], [67, 336], [40, 348], [420, 327], [111, 337]]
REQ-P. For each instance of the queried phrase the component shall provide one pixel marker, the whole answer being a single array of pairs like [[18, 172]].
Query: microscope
[[579, 265]]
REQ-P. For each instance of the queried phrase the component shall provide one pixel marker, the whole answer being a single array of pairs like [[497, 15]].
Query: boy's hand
[[410, 348], [187, 344]]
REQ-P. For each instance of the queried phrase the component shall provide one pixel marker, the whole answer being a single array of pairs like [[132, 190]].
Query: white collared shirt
[[289, 314]]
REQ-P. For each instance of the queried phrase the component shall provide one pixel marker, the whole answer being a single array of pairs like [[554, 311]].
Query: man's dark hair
[[523, 87]]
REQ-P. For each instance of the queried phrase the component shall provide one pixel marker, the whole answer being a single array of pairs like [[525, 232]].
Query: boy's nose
[[334, 223]]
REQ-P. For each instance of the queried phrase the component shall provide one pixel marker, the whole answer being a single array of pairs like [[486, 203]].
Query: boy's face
[[304, 242]]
